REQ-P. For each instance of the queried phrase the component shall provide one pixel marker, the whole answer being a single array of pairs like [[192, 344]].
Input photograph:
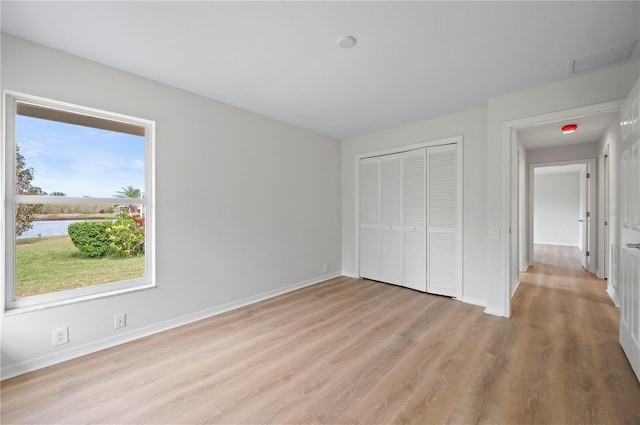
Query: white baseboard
[[494, 311], [349, 274], [515, 287], [557, 243], [613, 294], [474, 301], [102, 344]]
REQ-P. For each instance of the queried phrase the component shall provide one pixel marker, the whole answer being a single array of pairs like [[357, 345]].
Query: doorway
[[561, 199], [552, 150]]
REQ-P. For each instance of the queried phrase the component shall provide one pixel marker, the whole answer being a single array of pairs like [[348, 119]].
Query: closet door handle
[[633, 245]]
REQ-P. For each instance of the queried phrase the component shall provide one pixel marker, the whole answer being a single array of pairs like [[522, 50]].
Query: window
[[79, 203]]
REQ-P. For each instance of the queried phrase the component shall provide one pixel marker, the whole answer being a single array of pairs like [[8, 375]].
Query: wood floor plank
[[533, 398], [424, 388], [349, 351]]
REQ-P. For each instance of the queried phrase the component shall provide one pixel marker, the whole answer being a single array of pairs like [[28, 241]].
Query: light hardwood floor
[[360, 352]]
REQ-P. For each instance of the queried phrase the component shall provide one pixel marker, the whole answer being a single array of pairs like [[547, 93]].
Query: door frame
[[593, 203], [523, 232], [509, 144], [459, 142], [606, 214], [604, 164], [606, 256]]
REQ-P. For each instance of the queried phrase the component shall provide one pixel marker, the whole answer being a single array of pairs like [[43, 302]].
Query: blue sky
[[80, 161]]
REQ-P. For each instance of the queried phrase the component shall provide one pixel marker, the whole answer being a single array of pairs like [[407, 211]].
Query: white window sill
[[58, 303]]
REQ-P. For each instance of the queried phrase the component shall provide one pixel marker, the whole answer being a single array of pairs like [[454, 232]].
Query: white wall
[[471, 125], [268, 195], [556, 209], [611, 83], [563, 153]]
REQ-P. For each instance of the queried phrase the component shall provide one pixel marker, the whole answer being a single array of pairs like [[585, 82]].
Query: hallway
[[575, 367]]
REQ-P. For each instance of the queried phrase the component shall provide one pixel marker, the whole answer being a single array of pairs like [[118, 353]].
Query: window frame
[[12, 200]]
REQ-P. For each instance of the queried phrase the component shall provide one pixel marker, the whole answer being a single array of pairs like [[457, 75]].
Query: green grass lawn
[[51, 264]]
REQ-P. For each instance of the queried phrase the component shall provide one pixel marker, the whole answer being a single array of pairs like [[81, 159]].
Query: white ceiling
[[591, 128], [412, 61]]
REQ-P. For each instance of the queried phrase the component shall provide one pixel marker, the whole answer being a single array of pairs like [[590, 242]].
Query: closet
[[409, 220]]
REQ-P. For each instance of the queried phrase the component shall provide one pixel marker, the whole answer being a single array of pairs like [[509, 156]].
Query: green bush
[[90, 237], [127, 236]]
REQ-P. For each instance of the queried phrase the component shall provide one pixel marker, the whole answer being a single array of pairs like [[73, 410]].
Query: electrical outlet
[[120, 320], [325, 268], [60, 336]]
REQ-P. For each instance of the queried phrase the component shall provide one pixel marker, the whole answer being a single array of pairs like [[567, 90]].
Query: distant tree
[[35, 190], [129, 192], [25, 213], [54, 193]]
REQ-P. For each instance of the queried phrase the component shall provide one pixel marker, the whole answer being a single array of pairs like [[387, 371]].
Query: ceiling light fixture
[[569, 128], [346, 42]]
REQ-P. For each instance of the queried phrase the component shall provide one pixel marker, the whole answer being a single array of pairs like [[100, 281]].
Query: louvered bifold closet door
[[414, 223], [369, 217], [391, 252], [442, 213]]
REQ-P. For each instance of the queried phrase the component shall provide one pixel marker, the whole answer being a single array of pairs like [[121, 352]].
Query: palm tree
[[129, 192]]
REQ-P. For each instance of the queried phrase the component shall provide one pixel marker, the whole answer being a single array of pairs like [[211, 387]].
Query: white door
[[409, 219], [629, 272], [369, 218], [391, 246], [414, 223], [442, 218], [584, 219]]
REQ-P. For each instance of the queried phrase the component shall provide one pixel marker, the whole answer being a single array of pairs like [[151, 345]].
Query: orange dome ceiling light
[[569, 128]]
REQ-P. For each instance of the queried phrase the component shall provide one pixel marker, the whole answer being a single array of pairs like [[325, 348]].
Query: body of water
[[48, 228]]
